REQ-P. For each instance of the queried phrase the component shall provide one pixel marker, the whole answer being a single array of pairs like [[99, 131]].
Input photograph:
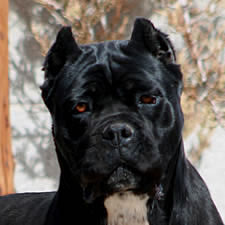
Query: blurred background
[[197, 29]]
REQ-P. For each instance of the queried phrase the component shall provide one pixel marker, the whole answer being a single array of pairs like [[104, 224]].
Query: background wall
[[36, 165]]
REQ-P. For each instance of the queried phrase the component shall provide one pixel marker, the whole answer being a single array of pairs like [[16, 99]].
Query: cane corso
[[117, 126]]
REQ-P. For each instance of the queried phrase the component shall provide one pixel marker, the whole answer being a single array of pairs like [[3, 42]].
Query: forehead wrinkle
[[93, 66], [97, 63], [110, 63], [110, 60], [103, 58], [110, 55]]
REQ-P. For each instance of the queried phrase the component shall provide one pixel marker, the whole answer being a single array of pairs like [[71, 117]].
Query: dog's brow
[[134, 82]]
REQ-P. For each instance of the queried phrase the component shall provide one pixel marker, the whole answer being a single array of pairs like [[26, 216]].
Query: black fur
[[129, 136]]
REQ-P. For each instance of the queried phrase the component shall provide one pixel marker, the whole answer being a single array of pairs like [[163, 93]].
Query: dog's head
[[115, 108]]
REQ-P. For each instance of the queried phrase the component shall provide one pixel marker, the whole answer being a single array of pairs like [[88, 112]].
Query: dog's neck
[[126, 209]]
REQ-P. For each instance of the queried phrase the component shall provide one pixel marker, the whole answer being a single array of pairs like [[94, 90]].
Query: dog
[[117, 126]]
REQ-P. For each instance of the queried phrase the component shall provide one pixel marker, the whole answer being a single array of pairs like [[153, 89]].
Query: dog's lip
[[123, 178]]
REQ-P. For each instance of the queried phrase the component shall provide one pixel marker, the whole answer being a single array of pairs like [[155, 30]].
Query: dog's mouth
[[122, 179]]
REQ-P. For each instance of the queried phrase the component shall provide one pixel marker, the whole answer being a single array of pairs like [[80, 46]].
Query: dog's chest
[[126, 209]]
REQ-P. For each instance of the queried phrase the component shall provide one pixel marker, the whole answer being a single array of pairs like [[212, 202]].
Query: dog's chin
[[121, 179]]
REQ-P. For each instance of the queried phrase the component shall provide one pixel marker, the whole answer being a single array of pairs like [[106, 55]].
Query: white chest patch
[[127, 209]]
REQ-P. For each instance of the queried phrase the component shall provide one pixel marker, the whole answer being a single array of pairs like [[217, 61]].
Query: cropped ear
[[154, 40], [65, 48]]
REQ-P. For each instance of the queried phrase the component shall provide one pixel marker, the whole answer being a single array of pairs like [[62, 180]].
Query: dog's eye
[[147, 99], [81, 107]]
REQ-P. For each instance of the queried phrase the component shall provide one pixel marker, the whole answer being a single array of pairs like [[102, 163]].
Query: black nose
[[118, 133]]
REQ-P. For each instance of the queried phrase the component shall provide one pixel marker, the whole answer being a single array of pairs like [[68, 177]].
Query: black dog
[[117, 126]]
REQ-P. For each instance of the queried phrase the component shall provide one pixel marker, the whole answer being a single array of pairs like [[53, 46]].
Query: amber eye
[[81, 107], [147, 99]]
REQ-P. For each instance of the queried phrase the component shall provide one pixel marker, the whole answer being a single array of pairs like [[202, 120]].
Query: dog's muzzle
[[119, 136], [117, 161]]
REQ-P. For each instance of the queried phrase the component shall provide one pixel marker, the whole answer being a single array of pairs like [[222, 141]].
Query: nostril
[[111, 135], [108, 134], [126, 132]]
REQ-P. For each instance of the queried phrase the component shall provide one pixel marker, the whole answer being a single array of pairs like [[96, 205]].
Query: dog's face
[[115, 108]]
